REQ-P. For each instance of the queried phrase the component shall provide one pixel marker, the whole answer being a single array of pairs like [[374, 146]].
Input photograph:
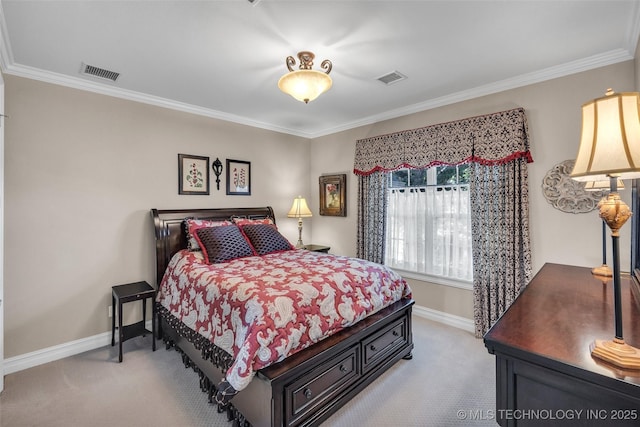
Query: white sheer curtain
[[429, 231]]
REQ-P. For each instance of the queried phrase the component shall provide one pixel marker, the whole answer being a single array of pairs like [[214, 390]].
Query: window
[[429, 222]]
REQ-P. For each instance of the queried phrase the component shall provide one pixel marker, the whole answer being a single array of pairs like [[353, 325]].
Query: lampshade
[[602, 185], [299, 209], [610, 141], [305, 84]]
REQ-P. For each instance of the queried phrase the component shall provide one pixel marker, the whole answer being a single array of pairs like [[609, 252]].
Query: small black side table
[[317, 248], [126, 293]]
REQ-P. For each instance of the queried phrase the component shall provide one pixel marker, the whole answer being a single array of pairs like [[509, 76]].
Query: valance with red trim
[[489, 140]]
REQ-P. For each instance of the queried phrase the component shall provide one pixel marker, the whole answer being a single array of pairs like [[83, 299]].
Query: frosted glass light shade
[[305, 85]]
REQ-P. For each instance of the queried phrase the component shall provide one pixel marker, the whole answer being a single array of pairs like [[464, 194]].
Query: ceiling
[[223, 59]]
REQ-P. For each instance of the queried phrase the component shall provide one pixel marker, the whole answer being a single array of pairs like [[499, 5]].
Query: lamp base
[[616, 352], [299, 244], [603, 270]]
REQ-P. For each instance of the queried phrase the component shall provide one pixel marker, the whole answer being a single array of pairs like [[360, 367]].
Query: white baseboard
[[446, 318], [50, 354]]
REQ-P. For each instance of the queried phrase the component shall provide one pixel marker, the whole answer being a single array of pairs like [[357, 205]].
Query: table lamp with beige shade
[[610, 150], [299, 210]]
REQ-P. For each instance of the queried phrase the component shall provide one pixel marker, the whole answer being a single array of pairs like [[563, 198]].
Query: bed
[[307, 386]]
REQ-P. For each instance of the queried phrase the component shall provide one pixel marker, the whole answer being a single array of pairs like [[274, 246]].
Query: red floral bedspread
[[261, 309]]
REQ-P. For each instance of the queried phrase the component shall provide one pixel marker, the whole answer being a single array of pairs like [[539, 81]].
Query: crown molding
[[592, 62], [6, 55], [608, 58], [105, 89], [633, 33]]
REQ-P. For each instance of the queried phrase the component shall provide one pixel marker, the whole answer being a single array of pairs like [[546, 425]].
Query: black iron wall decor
[[217, 169]]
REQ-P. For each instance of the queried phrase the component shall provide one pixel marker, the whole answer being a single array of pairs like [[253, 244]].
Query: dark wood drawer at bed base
[[340, 356], [309, 386], [320, 385], [380, 344]]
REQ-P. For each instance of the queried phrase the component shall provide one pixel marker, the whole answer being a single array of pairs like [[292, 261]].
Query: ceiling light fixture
[[305, 84]]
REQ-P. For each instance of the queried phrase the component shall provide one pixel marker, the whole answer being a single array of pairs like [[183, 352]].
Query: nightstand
[[317, 248], [122, 294]]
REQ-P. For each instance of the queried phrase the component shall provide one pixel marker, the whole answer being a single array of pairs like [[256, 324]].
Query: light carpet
[[450, 379]]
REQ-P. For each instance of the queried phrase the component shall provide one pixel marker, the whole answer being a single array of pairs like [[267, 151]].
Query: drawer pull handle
[[395, 333], [373, 347], [307, 393], [343, 368]]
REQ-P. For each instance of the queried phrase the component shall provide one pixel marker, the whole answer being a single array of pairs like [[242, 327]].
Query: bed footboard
[[309, 386]]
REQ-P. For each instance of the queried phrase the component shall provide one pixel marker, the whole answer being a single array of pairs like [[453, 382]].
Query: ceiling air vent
[[91, 70], [392, 77]]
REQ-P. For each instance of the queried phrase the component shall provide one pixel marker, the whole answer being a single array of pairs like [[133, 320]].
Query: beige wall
[[553, 111], [82, 171], [637, 67]]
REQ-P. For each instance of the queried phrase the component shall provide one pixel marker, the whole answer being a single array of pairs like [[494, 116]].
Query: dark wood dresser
[[545, 374]]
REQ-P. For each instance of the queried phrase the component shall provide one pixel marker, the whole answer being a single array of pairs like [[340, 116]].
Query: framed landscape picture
[[193, 174], [238, 177], [333, 195]]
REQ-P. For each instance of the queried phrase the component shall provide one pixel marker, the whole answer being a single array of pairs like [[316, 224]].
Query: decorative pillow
[[223, 243], [265, 238], [191, 225], [244, 221]]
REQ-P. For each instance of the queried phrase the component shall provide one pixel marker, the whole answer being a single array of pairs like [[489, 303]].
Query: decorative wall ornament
[[217, 170], [566, 194]]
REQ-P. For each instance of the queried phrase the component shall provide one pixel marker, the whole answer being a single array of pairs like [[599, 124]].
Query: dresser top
[[560, 313]]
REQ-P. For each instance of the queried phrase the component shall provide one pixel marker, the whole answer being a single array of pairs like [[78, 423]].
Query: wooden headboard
[[170, 236]]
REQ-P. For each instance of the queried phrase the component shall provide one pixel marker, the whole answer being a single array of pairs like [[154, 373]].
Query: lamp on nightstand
[[299, 210], [610, 150]]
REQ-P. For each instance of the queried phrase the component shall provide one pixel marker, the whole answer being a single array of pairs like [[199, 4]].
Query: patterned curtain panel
[[501, 245], [372, 206], [491, 139], [498, 146]]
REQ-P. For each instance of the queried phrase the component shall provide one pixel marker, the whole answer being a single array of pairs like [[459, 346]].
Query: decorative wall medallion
[[566, 194]]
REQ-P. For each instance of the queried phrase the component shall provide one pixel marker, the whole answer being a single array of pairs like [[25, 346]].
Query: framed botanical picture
[[238, 177], [193, 174], [333, 195]]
